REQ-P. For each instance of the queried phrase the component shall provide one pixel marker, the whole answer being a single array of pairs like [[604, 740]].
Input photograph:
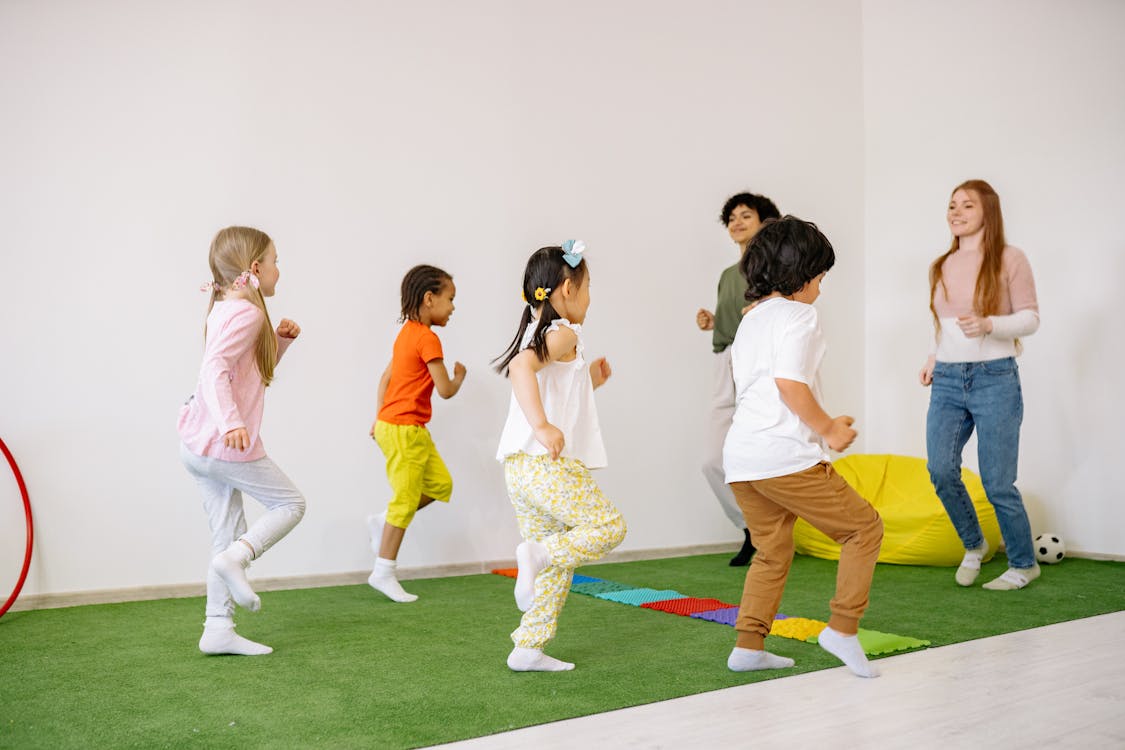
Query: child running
[[774, 453], [416, 473], [218, 427], [550, 442]]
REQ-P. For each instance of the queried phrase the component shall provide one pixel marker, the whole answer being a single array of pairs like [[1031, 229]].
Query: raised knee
[[617, 530]]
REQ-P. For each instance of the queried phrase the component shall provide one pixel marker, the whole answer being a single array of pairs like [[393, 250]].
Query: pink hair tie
[[210, 286], [245, 278]]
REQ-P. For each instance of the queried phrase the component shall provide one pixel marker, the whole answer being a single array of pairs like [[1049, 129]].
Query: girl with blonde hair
[[219, 424]]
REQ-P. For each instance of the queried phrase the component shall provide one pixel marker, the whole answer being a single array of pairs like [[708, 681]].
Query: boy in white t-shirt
[[774, 455]]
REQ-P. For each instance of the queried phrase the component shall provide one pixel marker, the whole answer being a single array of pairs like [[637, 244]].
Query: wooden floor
[[1061, 686]]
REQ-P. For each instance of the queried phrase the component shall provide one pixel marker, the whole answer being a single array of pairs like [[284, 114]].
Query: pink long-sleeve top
[[1018, 314], [230, 393]]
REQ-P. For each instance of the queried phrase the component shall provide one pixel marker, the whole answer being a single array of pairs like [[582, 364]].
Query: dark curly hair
[[545, 269], [784, 255], [415, 284], [762, 205]]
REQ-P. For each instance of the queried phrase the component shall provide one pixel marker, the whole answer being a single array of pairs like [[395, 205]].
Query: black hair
[[763, 206], [415, 284], [545, 270], [785, 255]]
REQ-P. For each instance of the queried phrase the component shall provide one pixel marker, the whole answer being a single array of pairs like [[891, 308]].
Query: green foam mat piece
[[599, 587], [637, 597]]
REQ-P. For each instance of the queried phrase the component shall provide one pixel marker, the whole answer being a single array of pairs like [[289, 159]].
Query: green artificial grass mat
[[351, 669]]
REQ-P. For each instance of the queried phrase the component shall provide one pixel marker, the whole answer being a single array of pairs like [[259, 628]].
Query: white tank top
[[568, 401]]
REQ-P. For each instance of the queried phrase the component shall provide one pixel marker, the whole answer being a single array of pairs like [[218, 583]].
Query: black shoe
[[744, 554]]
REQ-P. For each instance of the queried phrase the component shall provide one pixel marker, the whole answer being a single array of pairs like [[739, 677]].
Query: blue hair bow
[[572, 252]]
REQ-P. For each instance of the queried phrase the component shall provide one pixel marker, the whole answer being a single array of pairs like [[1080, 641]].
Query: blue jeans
[[987, 396]]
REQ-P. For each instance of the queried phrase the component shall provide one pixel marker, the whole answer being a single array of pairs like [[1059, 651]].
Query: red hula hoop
[[30, 528]]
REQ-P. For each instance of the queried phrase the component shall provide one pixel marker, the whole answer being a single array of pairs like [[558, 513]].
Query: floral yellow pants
[[558, 504]]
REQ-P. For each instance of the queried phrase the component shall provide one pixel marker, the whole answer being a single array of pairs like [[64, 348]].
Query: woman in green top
[[743, 215]]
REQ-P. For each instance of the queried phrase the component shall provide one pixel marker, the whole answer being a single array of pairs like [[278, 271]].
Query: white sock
[[1013, 578], [231, 566], [846, 648], [383, 579], [534, 660], [750, 660], [219, 638], [375, 526], [969, 569], [531, 557]]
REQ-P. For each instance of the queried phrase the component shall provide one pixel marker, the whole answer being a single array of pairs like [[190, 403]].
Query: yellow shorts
[[414, 469]]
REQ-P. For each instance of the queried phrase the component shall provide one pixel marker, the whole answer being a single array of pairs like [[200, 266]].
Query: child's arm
[[525, 387], [287, 331], [600, 372], [445, 386], [837, 431], [383, 381]]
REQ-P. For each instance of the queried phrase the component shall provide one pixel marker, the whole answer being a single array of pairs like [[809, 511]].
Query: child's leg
[[223, 505], [285, 507], [568, 493], [561, 509], [772, 528], [405, 449], [824, 499]]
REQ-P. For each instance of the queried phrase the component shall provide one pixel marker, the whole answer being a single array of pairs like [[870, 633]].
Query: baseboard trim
[[283, 583]]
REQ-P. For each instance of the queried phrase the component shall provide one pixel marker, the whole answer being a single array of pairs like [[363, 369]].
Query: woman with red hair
[[982, 297]]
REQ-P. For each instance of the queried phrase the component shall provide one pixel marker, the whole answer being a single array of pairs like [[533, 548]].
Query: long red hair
[[986, 296]]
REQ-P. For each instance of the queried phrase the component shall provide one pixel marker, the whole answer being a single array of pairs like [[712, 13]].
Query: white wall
[[1027, 95], [366, 137]]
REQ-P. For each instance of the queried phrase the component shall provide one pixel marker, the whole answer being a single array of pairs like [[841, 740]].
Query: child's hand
[[459, 371], [840, 434], [600, 371], [705, 319], [288, 329], [551, 438], [926, 374], [974, 327], [238, 438]]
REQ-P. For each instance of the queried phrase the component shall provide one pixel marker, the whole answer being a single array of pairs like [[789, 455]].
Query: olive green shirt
[[728, 307]]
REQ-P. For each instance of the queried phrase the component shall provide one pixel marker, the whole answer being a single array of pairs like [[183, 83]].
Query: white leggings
[[222, 484]]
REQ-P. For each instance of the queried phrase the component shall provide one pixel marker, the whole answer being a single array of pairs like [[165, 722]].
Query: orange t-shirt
[[407, 400]]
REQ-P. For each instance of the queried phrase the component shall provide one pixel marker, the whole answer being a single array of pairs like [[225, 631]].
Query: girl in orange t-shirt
[[415, 471]]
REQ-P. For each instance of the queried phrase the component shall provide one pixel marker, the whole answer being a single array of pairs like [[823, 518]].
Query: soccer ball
[[1049, 548]]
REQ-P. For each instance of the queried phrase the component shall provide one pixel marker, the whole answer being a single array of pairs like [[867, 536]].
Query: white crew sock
[[219, 638], [750, 660], [1013, 578], [534, 660], [531, 557], [231, 566], [969, 569], [846, 648], [383, 579], [375, 527]]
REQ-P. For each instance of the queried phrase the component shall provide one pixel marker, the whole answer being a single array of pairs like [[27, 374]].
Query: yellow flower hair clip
[[541, 293]]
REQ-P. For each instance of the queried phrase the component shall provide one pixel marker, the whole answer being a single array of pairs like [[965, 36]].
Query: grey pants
[[719, 417], [222, 484]]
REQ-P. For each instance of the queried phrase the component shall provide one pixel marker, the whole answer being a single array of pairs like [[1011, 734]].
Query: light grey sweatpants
[[719, 417], [222, 484]]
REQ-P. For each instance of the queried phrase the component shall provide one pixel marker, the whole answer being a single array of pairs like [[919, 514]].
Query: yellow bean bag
[[916, 529]]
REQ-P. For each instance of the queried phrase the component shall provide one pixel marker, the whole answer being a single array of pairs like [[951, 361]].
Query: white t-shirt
[[567, 393], [778, 338]]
